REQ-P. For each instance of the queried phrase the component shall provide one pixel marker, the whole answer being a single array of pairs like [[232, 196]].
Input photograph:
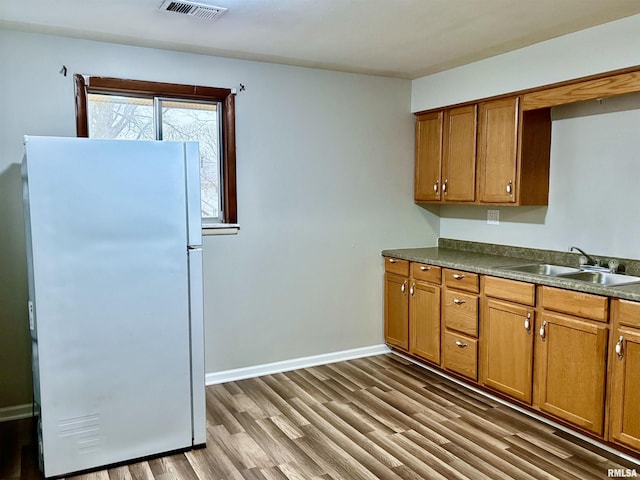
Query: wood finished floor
[[372, 418]]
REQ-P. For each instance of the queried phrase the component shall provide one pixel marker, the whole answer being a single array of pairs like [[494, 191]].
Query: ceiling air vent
[[193, 9]]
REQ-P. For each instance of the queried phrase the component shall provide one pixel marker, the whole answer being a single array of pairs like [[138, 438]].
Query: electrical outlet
[[493, 217]]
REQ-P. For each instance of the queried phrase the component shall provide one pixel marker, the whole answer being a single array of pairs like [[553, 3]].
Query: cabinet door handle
[[543, 332], [510, 187], [425, 269], [444, 186], [458, 276], [457, 301], [619, 348], [403, 288], [393, 260], [460, 344], [436, 187], [527, 323], [413, 286]]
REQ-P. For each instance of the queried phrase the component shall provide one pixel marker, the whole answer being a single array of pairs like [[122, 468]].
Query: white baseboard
[[293, 364], [15, 412]]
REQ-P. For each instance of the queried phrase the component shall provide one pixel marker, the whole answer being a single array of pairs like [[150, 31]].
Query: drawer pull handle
[[403, 288], [436, 187], [527, 323], [413, 285], [460, 344], [457, 301], [510, 187], [444, 186], [393, 260], [425, 269], [458, 276], [619, 348], [543, 332]]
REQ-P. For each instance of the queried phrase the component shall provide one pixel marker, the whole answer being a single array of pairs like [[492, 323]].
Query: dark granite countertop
[[488, 259]]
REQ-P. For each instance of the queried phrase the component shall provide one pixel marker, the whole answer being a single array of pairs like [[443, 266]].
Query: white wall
[[599, 49], [595, 152], [325, 175]]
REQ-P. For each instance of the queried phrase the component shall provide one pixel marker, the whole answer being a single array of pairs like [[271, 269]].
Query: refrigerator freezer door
[[197, 346], [194, 207], [111, 283]]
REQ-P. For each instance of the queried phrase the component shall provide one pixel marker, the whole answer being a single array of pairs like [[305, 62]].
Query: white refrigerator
[[113, 233]]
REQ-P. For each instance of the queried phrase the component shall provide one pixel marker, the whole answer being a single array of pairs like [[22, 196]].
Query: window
[[140, 110]]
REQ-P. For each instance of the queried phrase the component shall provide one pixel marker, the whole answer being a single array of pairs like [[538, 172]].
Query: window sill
[[220, 229]]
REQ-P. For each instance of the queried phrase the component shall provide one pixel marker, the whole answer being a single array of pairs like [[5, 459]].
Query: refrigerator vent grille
[[193, 9]]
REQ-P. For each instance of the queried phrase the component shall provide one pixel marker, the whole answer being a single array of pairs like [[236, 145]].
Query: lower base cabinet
[[396, 302], [624, 421], [424, 324], [571, 366], [543, 346], [506, 348], [396, 310]]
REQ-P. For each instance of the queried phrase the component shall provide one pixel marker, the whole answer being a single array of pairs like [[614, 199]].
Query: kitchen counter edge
[[491, 265]]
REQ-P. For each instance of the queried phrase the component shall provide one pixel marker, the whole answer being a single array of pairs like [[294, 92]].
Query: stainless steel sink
[[543, 269], [603, 278]]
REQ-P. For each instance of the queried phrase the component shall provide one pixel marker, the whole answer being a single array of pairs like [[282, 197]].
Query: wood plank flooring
[[366, 419]]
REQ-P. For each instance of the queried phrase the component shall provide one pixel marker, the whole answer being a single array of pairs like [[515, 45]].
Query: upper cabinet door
[[427, 185], [497, 151], [459, 161]]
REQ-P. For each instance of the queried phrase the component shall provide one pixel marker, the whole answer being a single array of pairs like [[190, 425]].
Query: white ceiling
[[397, 38]]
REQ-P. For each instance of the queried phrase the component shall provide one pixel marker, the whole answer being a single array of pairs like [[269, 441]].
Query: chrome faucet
[[593, 261]]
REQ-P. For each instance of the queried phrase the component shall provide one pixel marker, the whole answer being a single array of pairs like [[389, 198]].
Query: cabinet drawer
[[461, 355], [626, 312], [425, 273], [511, 290], [461, 312], [461, 280], [395, 265], [575, 303]]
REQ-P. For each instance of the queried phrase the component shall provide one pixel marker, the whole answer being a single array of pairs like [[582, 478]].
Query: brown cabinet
[[460, 322], [490, 153], [424, 312], [506, 340], [624, 406], [412, 308], [459, 155], [571, 365], [460, 354], [428, 157], [497, 150], [445, 169], [542, 346], [513, 153], [396, 303]]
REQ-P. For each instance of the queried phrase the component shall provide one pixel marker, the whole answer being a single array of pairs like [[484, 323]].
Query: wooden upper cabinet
[[497, 150], [513, 153], [427, 181], [459, 155]]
